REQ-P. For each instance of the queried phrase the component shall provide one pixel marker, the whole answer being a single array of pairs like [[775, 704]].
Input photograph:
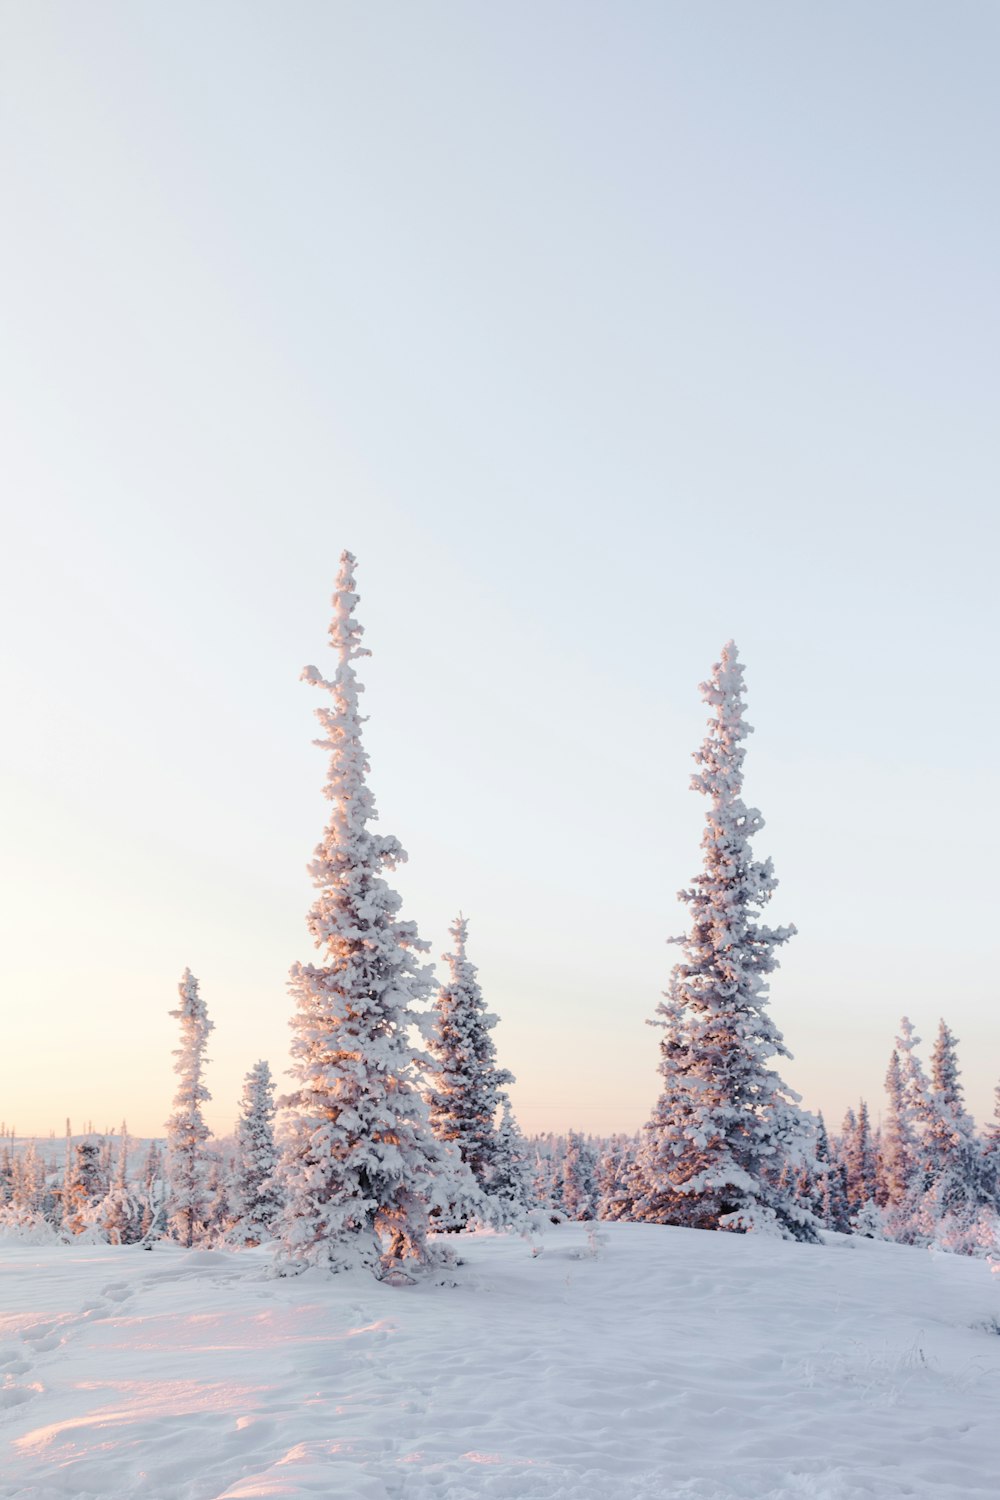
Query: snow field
[[676, 1364]]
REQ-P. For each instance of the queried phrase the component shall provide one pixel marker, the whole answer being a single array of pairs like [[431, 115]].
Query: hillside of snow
[[675, 1364]]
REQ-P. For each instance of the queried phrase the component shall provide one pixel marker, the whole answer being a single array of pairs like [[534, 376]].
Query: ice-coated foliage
[[362, 1169], [187, 1157], [256, 1199], [465, 1086], [725, 1124]]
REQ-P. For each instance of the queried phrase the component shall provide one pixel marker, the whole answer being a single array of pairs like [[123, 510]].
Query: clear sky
[[600, 333]]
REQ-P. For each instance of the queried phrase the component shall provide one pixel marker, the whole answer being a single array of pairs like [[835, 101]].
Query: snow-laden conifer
[[256, 1196], [902, 1178], [954, 1153], [120, 1210], [510, 1180], [725, 1123], [465, 1087], [187, 1157], [579, 1178], [616, 1173], [153, 1193], [858, 1157], [363, 1169], [220, 1190], [830, 1177], [991, 1148]]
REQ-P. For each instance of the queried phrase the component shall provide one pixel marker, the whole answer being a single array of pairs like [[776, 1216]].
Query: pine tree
[[86, 1188], [900, 1150], [510, 1183], [579, 1178], [67, 1177], [120, 1211], [466, 1088], [858, 1156], [616, 1170], [220, 1216], [544, 1178], [725, 1123], [955, 1156], [187, 1157], [991, 1148], [256, 1195], [153, 1192], [363, 1169], [916, 1089]]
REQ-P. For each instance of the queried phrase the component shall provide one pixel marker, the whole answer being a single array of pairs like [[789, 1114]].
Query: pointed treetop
[[345, 630], [725, 689], [721, 753], [459, 931], [192, 1005]]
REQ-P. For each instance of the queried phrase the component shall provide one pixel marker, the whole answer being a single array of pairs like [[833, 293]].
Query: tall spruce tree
[[991, 1148], [959, 1178], [579, 1177], [362, 1170], [510, 1182], [187, 1158], [256, 1195], [725, 1124], [120, 1213], [900, 1150], [466, 1087], [858, 1154]]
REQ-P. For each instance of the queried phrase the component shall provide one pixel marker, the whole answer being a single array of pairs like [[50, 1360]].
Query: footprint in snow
[[116, 1291], [45, 1343]]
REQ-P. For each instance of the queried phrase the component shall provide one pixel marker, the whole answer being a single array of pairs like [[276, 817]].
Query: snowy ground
[[675, 1364]]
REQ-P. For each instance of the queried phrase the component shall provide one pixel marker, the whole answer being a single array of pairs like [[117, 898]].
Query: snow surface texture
[[675, 1364]]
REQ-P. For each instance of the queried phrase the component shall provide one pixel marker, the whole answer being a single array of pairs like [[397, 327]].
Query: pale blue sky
[[600, 333]]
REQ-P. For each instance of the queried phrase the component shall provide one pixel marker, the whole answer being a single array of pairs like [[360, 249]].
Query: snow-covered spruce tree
[[616, 1170], [579, 1178], [120, 1210], [256, 1196], [220, 1215], [544, 1178], [901, 1174], [858, 1155], [991, 1148], [67, 1176], [362, 1170], [153, 1192], [86, 1189], [725, 1124], [959, 1179], [465, 1088], [187, 1158], [510, 1182]]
